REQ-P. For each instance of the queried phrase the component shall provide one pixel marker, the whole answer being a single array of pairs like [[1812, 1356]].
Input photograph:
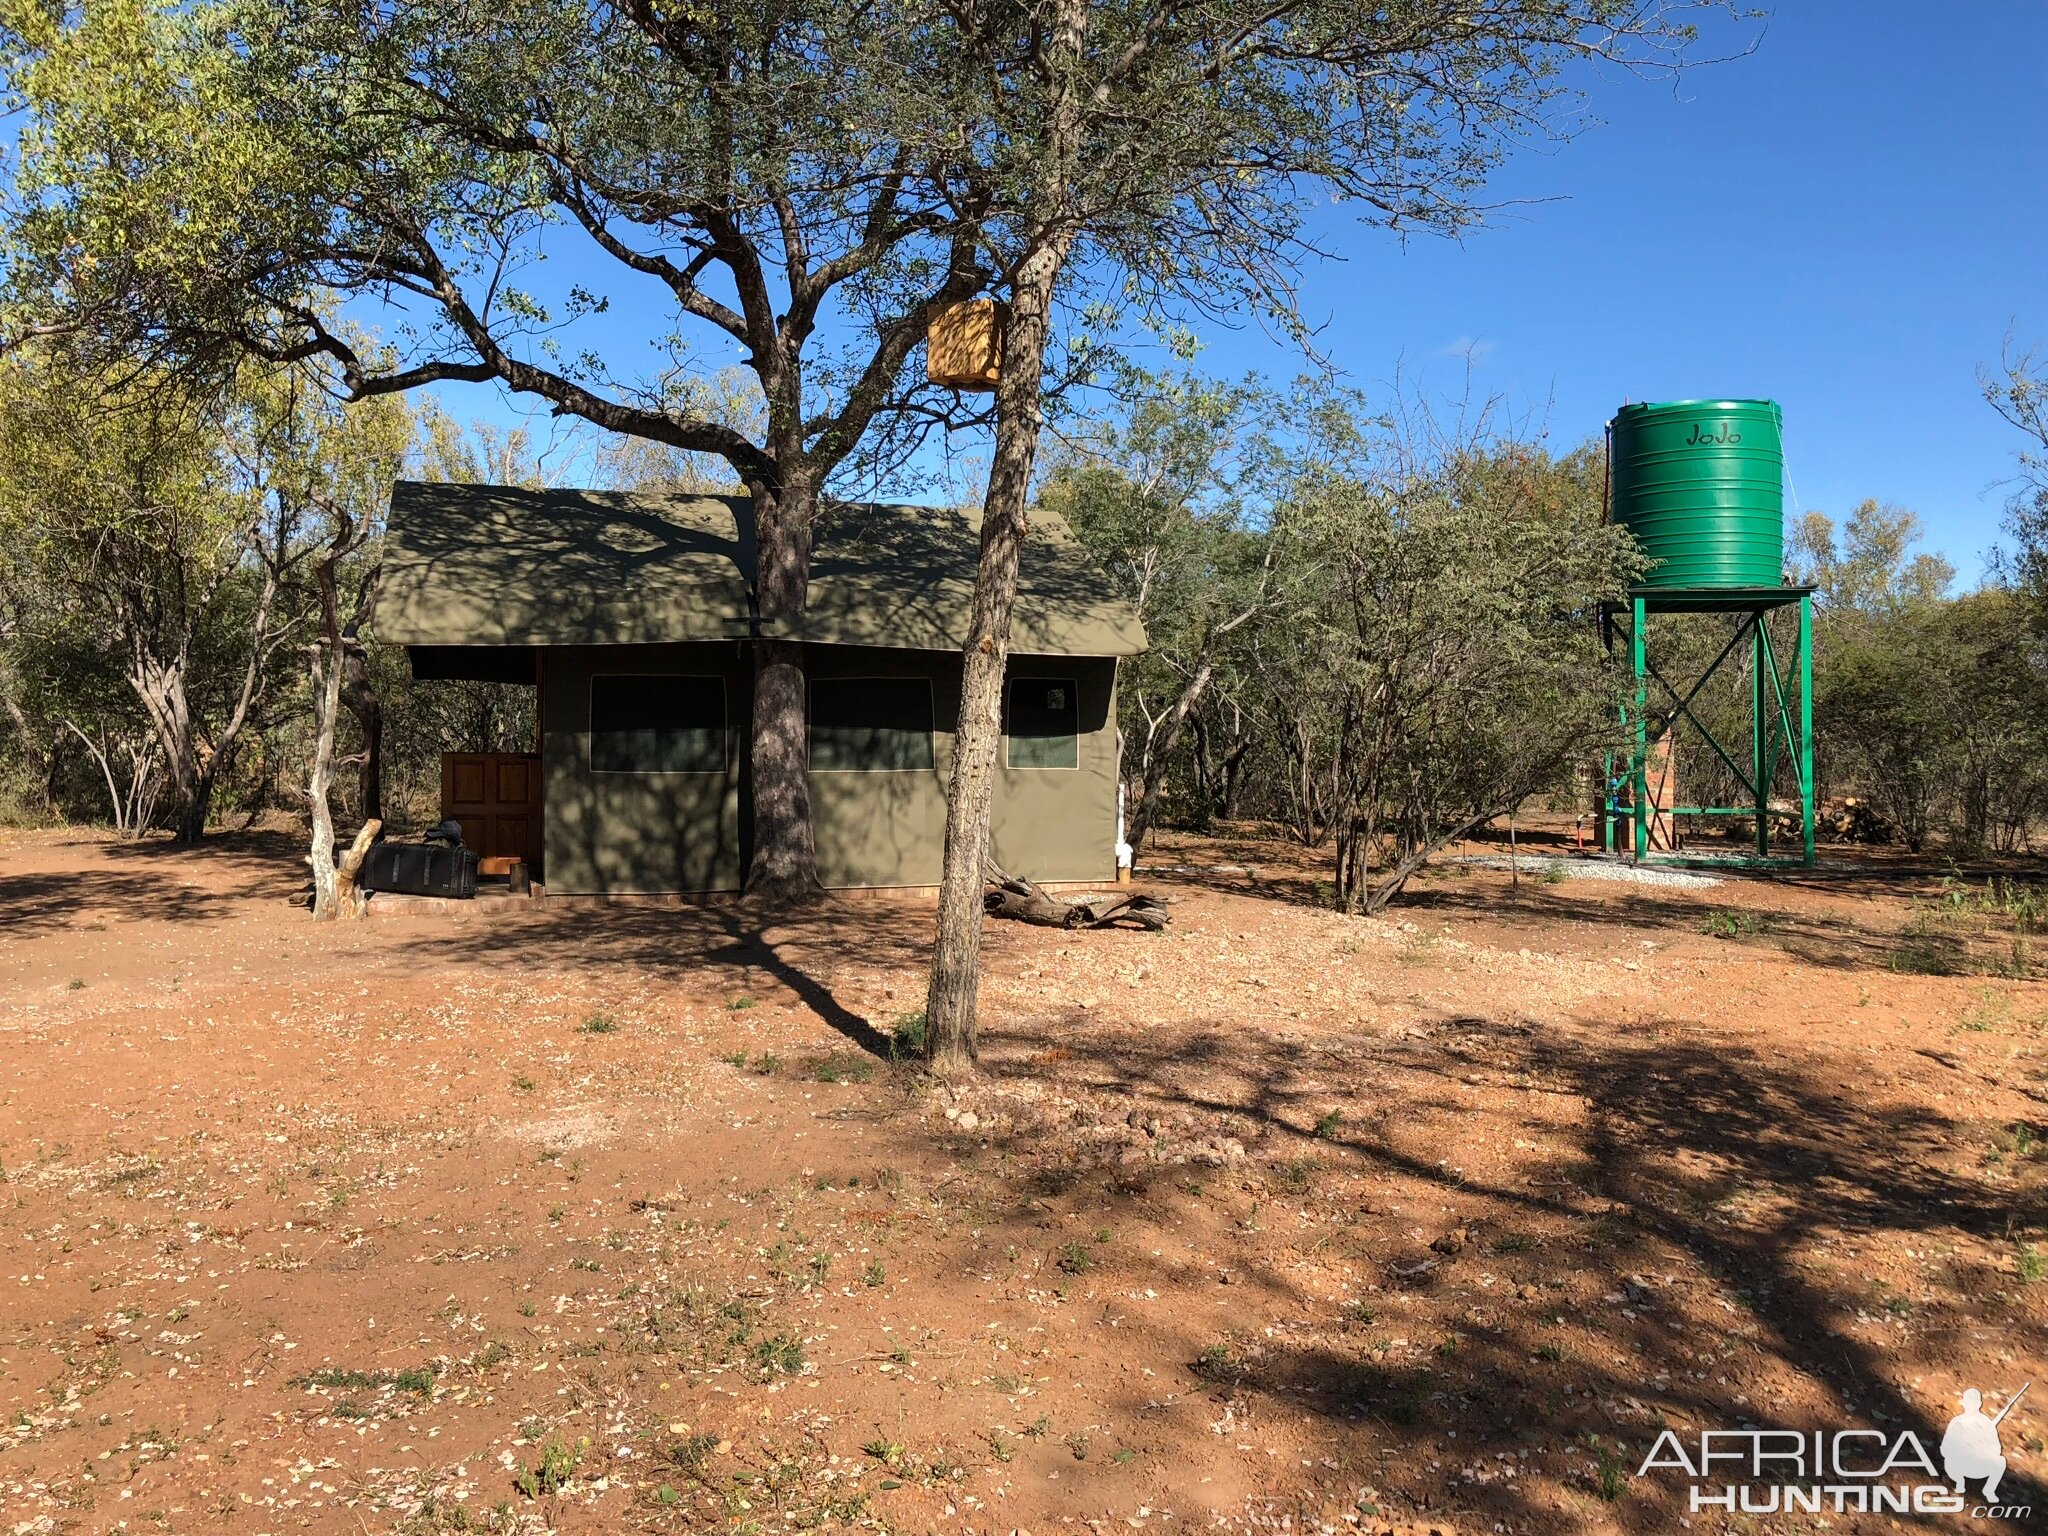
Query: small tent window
[[656, 724], [870, 724], [1045, 723]]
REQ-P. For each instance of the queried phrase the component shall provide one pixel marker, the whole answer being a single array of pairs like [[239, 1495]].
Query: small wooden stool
[[512, 868]]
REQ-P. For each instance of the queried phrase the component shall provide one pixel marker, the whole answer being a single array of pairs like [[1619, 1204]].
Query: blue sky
[[1850, 219]]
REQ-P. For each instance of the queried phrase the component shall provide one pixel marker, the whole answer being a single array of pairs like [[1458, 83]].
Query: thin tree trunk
[[143, 784], [340, 679], [1377, 896], [117, 807], [321, 856], [328, 665], [217, 761], [53, 768], [950, 1019], [360, 695], [160, 685], [1161, 752]]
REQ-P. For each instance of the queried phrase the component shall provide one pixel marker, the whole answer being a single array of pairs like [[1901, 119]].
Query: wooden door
[[496, 797]]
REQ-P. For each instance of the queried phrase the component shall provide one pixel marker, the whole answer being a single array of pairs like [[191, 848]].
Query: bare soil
[[623, 1219]]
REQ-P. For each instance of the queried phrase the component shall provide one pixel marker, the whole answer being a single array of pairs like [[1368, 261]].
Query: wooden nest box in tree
[[964, 344]]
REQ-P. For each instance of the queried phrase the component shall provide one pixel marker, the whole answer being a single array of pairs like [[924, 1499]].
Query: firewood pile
[[1852, 821], [1011, 896], [1847, 820]]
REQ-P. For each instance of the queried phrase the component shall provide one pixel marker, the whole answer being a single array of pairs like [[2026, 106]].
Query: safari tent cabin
[[632, 616]]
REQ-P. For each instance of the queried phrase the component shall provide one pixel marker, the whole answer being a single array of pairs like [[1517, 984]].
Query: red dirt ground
[[1279, 1220]]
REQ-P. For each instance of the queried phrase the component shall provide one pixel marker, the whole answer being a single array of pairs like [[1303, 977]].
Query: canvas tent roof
[[486, 565]]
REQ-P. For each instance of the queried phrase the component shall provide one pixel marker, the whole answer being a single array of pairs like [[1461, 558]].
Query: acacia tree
[[325, 471], [62, 692], [1425, 655], [761, 182], [1170, 501], [22, 595], [1456, 579], [118, 492], [1871, 566], [1165, 151], [2018, 391]]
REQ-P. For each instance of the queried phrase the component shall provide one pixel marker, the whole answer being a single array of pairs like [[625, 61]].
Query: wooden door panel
[[497, 798], [515, 781], [468, 783], [511, 835]]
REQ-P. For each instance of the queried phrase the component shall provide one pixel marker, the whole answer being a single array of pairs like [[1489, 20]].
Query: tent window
[[1045, 723], [870, 724], [656, 724]]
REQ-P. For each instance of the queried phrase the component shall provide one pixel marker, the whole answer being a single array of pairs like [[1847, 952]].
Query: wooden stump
[[349, 900]]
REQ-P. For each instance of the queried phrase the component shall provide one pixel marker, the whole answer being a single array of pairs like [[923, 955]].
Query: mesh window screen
[[653, 724], [1045, 723], [870, 724]]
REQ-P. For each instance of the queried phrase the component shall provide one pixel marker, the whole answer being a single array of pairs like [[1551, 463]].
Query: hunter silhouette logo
[[1970, 1448]]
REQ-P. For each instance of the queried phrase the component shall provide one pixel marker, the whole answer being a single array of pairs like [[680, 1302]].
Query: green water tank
[[1701, 485]]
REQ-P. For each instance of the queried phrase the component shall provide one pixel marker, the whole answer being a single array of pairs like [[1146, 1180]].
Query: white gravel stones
[[1598, 869]]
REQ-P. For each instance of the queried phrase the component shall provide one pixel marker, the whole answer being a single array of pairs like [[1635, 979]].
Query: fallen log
[[1013, 896]]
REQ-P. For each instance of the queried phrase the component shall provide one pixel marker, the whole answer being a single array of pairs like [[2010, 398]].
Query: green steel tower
[[1700, 483]]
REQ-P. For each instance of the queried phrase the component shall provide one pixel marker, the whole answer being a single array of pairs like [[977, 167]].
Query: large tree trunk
[[1233, 767], [950, 1021], [197, 806], [783, 868], [160, 686]]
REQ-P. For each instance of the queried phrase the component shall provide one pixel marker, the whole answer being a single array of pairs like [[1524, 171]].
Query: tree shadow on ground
[[254, 856], [725, 944], [1832, 940], [36, 903], [1735, 913], [150, 878], [1702, 1157]]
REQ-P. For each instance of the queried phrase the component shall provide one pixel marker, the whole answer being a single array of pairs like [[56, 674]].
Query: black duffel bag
[[419, 869]]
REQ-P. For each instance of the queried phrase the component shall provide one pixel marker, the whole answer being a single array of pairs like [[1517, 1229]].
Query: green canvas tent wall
[[632, 616]]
